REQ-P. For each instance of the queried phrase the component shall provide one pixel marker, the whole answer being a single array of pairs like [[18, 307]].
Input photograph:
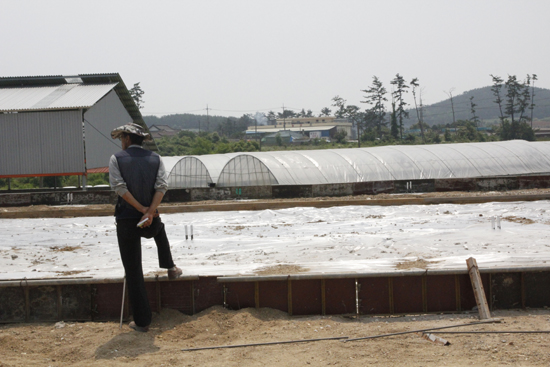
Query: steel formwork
[[410, 292]]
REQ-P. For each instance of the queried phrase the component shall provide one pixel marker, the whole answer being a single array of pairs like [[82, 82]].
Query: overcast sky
[[245, 56]]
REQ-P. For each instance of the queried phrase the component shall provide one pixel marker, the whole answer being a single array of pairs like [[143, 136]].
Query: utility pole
[[256, 132], [284, 118], [421, 115], [207, 119]]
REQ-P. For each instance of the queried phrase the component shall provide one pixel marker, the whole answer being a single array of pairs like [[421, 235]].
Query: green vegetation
[[190, 143], [22, 183]]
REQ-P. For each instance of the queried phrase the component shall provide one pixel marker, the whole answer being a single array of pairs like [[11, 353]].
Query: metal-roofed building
[[57, 125]]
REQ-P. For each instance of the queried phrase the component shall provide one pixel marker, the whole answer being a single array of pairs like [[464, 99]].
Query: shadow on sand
[[130, 344]]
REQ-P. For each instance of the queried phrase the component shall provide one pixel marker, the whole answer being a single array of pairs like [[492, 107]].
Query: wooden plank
[[479, 292]]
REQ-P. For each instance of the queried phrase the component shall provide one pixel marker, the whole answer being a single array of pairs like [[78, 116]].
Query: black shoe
[[174, 274], [141, 329]]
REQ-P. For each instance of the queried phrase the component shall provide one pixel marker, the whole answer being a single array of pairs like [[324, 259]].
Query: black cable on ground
[[422, 330], [496, 332], [260, 344]]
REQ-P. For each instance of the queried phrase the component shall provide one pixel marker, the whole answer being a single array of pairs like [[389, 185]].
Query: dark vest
[[139, 168]]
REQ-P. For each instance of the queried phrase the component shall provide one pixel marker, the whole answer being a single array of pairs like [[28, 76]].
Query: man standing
[[138, 177]]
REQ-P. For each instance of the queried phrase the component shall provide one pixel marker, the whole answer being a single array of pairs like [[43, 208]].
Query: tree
[[447, 135], [474, 118], [466, 131], [398, 94], [450, 95], [414, 84], [394, 129], [524, 99], [517, 102], [137, 95], [532, 106], [278, 139], [340, 136], [202, 146], [271, 118], [325, 112], [368, 126], [496, 89], [376, 96], [287, 114], [340, 103]]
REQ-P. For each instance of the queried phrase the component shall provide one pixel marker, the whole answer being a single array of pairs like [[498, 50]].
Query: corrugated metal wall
[[41, 143], [99, 120]]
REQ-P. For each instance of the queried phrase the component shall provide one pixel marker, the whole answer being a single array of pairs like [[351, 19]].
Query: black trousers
[[129, 243]]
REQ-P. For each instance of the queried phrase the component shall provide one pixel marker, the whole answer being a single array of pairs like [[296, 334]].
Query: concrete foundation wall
[[76, 197]]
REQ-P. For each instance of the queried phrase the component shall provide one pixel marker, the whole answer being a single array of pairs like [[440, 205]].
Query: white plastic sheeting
[[194, 171], [323, 240], [402, 162]]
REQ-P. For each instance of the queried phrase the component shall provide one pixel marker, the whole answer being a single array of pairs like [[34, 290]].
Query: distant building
[[161, 131], [286, 137], [60, 126], [314, 127]]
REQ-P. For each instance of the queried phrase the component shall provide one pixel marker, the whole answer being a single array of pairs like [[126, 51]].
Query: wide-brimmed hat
[[130, 128]]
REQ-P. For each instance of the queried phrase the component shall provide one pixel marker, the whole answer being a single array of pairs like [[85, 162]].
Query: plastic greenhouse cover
[[246, 170], [189, 172], [401, 162], [170, 162], [205, 169]]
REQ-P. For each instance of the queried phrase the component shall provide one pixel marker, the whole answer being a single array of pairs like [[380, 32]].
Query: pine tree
[[376, 96], [414, 84], [474, 118], [137, 95], [398, 94], [394, 129]]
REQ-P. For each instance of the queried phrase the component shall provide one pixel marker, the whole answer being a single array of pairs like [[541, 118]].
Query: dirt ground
[[351, 199], [104, 344]]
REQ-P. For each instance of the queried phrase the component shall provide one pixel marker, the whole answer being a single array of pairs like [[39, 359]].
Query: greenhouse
[[194, 171], [402, 162]]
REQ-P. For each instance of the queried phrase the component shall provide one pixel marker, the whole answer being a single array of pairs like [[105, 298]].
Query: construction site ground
[[105, 344]]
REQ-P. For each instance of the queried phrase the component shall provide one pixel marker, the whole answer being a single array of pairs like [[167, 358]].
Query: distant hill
[[486, 109], [434, 114]]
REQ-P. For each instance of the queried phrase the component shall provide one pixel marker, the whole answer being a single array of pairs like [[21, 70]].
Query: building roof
[[87, 79], [161, 128], [57, 97], [298, 129], [95, 80]]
